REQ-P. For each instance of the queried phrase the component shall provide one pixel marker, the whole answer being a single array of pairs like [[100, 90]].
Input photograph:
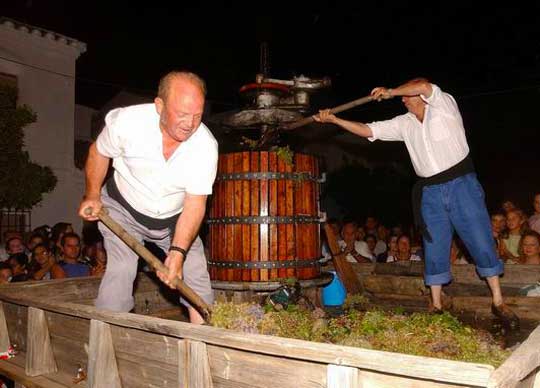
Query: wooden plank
[[102, 366], [14, 369], [343, 267], [311, 228], [39, 354], [281, 211], [194, 367], [238, 249], [342, 377], [289, 211], [16, 319], [246, 229], [521, 363], [238, 369], [4, 334], [264, 211], [399, 364], [391, 284], [229, 212], [382, 380], [254, 211], [273, 209]]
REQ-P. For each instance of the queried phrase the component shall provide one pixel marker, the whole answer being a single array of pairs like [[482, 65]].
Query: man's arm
[[414, 87], [355, 127], [186, 230], [95, 170]]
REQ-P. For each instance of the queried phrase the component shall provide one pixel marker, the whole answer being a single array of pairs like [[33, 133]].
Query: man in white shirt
[[165, 162], [448, 195], [357, 250]]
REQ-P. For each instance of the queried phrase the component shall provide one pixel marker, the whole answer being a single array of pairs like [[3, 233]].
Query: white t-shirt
[[359, 246], [434, 145], [391, 259], [150, 184]]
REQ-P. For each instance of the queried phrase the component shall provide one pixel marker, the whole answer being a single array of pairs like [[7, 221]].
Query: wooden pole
[[153, 261], [39, 353], [337, 109]]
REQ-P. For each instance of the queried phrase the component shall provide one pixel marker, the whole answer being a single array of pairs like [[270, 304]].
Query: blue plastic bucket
[[334, 294]]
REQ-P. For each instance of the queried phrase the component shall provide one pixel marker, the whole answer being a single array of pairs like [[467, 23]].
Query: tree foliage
[[22, 182]]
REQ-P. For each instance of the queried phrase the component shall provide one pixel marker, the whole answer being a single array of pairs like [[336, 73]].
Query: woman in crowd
[[529, 248], [403, 251], [46, 267], [392, 249], [534, 220], [18, 263], [516, 226]]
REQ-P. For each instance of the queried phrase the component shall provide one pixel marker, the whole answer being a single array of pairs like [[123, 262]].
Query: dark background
[[487, 57]]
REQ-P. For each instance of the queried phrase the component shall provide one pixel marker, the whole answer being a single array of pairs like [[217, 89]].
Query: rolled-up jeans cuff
[[438, 279], [491, 271]]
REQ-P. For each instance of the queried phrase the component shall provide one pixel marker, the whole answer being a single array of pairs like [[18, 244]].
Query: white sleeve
[[441, 101], [388, 130], [109, 142], [204, 169]]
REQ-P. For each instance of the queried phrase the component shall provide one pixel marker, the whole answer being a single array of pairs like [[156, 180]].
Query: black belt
[[464, 167], [146, 221]]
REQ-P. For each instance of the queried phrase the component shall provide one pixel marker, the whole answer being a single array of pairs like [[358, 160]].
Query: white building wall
[[44, 65]]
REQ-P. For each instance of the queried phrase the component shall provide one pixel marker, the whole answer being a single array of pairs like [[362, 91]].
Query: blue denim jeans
[[457, 205]]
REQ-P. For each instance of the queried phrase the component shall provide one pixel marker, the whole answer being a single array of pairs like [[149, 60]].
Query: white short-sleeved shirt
[[150, 184], [434, 145], [360, 247], [391, 259]]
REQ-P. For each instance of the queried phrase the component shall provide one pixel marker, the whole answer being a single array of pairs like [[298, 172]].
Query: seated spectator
[[46, 267], [8, 235], [534, 220], [96, 257], [507, 206], [99, 264], [392, 249], [71, 250], [457, 257], [18, 263], [529, 248], [57, 232], [5, 273], [15, 245], [371, 225], [498, 226], [34, 240], [371, 241], [356, 250], [403, 251], [516, 226], [382, 236]]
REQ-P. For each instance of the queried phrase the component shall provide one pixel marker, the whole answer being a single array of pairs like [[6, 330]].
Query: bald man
[[165, 162]]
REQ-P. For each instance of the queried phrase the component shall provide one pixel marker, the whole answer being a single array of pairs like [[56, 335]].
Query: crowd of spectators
[[50, 253]]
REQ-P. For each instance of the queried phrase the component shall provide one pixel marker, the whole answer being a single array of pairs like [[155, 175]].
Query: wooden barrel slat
[[288, 195], [265, 230], [273, 202], [255, 189], [229, 229], [237, 255]]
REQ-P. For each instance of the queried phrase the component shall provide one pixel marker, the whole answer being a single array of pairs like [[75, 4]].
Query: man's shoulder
[[133, 114], [204, 136]]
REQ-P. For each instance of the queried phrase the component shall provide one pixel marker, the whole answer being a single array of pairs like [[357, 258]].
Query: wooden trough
[[402, 284], [56, 330]]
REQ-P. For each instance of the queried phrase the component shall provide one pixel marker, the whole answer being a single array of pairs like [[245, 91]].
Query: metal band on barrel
[[296, 176], [265, 220], [265, 264]]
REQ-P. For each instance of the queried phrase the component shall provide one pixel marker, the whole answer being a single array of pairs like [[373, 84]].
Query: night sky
[[487, 57]]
